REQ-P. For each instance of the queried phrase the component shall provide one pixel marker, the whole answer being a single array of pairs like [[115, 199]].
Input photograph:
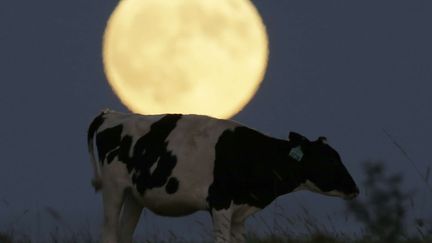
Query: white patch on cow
[[310, 186], [335, 193], [106, 157], [296, 153], [153, 167]]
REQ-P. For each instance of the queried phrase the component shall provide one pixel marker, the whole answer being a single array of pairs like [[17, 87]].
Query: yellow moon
[[185, 56]]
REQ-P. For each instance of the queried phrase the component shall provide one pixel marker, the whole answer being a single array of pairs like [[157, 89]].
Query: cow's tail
[[94, 126]]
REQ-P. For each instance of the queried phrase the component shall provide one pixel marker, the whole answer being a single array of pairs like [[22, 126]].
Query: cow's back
[[132, 123]]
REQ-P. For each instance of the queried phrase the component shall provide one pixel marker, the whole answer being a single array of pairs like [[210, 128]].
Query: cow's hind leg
[[129, 217], [112, 202]]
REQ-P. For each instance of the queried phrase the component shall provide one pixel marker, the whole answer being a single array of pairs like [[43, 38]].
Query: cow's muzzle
[[353, 195]]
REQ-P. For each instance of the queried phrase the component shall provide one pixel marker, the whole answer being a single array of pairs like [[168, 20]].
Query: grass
[[381, 213], [83, 237]]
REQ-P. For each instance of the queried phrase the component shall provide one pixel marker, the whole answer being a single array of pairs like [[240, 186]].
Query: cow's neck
[[287, 171]]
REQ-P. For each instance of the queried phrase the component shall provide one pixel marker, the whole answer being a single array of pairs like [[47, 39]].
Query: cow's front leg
[[222, 225], [237, 232], [240, 213]]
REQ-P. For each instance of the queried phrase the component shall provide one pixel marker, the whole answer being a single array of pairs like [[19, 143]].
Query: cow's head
[[322, 167]]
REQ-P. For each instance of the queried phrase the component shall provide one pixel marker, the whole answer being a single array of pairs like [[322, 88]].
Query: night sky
[[341, 69]]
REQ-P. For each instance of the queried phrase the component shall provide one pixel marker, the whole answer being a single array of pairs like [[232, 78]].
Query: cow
[[177, 164]]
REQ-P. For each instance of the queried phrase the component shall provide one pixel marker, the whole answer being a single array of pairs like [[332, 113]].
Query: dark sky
[[343, 69]]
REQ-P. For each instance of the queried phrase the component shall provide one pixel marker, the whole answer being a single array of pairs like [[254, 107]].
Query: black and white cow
[[176, 164]]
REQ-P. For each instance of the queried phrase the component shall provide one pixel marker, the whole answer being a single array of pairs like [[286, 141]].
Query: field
[[382, 215]]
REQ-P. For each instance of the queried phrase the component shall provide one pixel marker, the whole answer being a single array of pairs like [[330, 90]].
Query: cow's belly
[[176, 209], [180, 203]]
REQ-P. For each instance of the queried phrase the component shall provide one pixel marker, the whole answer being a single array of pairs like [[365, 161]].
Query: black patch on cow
[[139, 158], [172, 185], [108, 142], [249, 167], [94, 125]]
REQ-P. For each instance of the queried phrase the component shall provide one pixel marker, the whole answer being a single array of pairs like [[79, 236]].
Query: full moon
[[185, 56]]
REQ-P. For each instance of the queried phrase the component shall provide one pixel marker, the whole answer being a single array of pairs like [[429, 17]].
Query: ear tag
[[296, 153]]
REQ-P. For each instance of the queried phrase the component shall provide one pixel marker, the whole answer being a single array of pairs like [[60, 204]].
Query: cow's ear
[[322, 140], [297, 138]]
